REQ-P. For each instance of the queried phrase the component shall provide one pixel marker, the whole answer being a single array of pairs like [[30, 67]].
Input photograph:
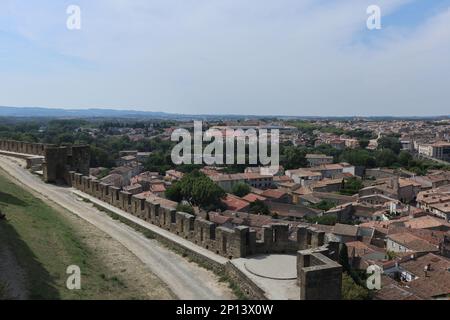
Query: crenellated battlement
[[58, 160], [37, 149], [232, 243]]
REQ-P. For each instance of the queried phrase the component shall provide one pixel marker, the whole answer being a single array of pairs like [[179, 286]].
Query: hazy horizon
[[124, 110], [284, 57]]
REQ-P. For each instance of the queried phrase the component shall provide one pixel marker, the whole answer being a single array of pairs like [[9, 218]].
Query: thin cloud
[[245, 57]]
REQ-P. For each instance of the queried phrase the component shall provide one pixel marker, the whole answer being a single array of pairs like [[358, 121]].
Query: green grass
[[3, 291], [352, 290], [45, 244]]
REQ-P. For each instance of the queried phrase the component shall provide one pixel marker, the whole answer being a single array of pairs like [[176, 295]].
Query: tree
[[197, 189], [353, 291], [241, 189], [385, 158], [351, 186], [361, 134], [293, 158], [174, 192], [404, 158], [353, 281], [359, 158], [259, 207], [101, 158], [391, 255], [181, 207], [389, 142], [324, 205], [328, 220], [158, 161], [343, 257], [103, 173], [363, 143]]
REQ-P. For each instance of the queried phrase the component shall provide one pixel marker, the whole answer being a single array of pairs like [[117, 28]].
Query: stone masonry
[[319, 276], [59, 160]]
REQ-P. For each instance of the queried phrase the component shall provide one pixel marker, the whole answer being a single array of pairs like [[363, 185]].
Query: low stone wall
[[248, 287]]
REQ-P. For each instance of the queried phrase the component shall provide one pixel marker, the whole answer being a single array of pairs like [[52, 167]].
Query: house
[[407, 242], [433, 180], [436, 201], [133, 189], [146, 179], [304, 177], [158, 200], [126, 161], [427, 222], [337, 144], [159, 189], [327, 185], [252, 197], [143, 156], [235, 203], [127, 172], [125, 153], [351, 143], [427, 276], [228, 181], [376, 199], [255, 180], [315, 160], [361, 254], [345, 232], [174, 175], [404, 190], [221, 220], [393, 290], [438, 150], [277, 195], [266, 171], [283, 181], [291, 211], [334, 170], [114, 179]]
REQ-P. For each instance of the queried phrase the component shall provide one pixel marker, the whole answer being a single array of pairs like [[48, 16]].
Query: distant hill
[[78, 113], [32, 112]]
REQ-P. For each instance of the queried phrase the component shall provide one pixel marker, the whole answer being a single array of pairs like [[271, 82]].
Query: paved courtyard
[[276, 274]]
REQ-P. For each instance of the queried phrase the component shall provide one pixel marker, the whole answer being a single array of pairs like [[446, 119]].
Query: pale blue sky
[[290, 57]]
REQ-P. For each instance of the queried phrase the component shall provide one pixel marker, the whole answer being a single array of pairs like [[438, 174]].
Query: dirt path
[[117, 260], [122, 247]]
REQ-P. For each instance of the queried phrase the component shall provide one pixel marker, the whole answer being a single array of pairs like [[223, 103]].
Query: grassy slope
[[2, 291], [45, 244]]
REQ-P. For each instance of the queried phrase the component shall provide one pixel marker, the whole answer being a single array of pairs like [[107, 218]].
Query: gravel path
[[185, 279]]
